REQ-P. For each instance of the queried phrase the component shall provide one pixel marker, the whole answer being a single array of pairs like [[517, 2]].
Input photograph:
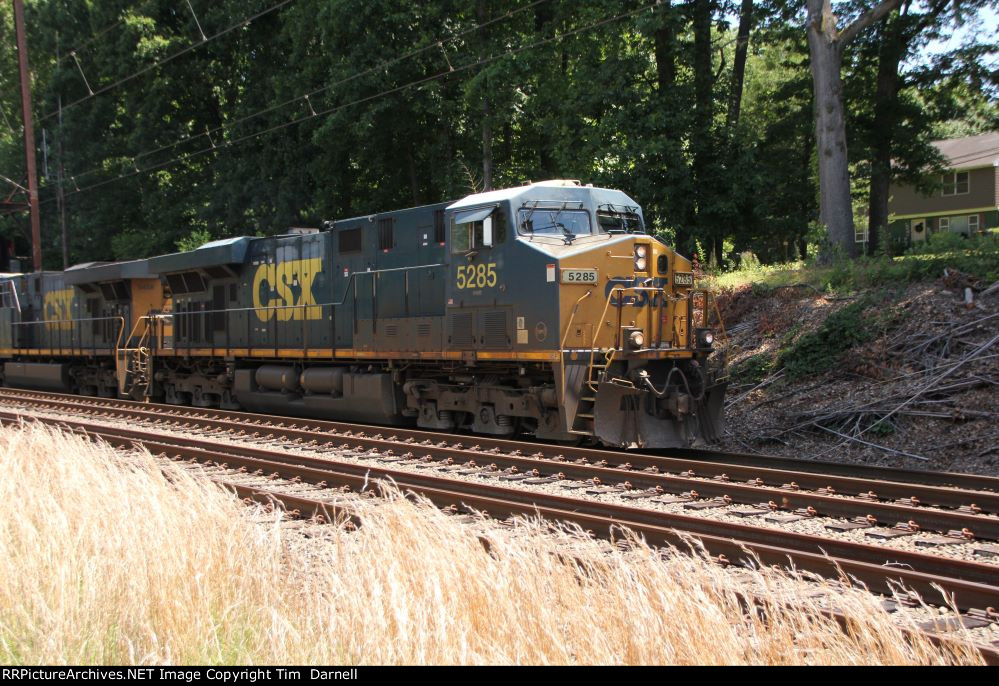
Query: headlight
[[641, 251], [705, 338], [636, 340], [640, 264]]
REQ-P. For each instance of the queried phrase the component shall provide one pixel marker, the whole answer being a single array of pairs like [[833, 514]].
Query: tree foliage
[[413, 103]]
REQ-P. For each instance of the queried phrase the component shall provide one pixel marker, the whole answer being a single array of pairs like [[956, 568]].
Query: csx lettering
[[631, 298], [58, 306], [284, 290], [476, 276]]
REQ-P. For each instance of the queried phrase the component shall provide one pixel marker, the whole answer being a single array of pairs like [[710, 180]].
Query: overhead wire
[[82, 46], [159, 63], [331, 110], [306, 97]]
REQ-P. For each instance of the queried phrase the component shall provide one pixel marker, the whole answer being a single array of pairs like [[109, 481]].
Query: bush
[[941, 242], [820, 350], [752, 370]]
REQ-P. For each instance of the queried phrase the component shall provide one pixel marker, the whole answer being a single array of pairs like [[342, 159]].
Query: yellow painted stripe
[[535, 357], [64, 352], [322, 353]]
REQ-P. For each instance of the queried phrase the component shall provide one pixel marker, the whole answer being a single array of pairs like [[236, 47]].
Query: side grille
[[494, 331], [423, 329], [461, 330]]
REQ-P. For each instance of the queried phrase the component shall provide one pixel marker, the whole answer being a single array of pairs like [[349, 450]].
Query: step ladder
[[582, 423], [134, 365]]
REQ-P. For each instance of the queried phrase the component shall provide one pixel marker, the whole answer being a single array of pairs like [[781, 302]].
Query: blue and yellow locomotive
[[544, 310]]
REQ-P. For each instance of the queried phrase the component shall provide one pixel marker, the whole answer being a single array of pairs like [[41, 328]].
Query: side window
[[460, 241], [385, 237], [439, 227], [475, 229], [349, 241]]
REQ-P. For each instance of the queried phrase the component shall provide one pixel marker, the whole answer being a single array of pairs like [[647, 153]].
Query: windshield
[[554, 222], [616, 219]]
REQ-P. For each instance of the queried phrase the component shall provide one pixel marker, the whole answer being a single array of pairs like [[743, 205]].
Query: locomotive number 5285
[[476, 276]]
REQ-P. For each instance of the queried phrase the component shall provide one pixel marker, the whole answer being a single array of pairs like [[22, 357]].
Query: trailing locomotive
[[543, 310]]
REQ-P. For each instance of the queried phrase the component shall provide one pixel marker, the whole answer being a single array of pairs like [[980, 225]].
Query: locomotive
[[544, 310]]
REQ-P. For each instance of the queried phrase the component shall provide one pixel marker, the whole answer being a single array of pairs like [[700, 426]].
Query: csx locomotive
[[544, 310]]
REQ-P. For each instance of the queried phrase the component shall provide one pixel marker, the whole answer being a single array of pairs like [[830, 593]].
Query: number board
[[587, 276], [683, 279]]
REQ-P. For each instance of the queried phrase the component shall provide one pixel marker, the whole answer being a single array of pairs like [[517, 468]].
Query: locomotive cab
[[565, 274]]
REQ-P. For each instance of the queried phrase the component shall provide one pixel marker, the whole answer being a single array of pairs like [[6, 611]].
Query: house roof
[[971, 151]]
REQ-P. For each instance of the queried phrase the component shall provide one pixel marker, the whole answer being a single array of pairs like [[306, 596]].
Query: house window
[[860, 234], [973, 223], [955, 183], [959, 224], [944, 223]]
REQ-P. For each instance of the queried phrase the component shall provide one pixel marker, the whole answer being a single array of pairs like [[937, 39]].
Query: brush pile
[[906, 376]]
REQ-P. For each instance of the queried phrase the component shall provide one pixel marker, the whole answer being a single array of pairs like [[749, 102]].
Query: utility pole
[[29, 135], [60, 193]]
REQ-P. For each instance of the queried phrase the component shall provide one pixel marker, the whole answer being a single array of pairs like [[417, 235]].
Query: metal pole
[[60, 190], [29, 135], [60, 193]]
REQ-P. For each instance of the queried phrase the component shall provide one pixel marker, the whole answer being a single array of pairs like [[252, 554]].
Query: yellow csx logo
[[287, 284], [58, 307]]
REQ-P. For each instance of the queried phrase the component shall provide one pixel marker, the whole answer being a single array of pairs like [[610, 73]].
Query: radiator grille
[[461, 330], [494, 329]]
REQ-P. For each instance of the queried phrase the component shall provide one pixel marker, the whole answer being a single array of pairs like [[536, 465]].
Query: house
[[966, 198]]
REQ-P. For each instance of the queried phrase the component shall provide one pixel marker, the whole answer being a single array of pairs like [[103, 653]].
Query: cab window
[[477, 229], [536, 221]]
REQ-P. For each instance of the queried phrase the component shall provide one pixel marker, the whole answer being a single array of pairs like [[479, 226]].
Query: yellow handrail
[[597, 327]]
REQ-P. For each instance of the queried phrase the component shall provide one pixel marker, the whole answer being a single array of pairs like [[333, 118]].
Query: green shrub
[[752, 370], [820, 350]]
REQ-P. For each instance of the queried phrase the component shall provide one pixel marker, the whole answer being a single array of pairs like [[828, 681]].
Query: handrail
[[575, 309], [118, 349], [620, 288], [81, 320], [13, 289]]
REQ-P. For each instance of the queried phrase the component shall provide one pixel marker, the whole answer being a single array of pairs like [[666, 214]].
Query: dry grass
[[105, 559]]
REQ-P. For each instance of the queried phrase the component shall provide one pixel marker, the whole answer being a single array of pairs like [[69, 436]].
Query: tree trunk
[[825, 47], [482, 14], [671, 162], [702, 147], [885, 105], [835, 203], [718, 245], [414, 180], [739, 65], [487, 146]]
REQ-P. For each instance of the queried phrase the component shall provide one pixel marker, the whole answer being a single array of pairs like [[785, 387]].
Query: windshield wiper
[[569, 235]]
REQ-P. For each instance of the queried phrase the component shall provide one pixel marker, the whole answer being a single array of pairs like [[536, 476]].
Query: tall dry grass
[[107, 559]]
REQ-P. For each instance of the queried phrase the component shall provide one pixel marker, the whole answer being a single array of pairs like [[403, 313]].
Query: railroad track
[[508, 478]]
